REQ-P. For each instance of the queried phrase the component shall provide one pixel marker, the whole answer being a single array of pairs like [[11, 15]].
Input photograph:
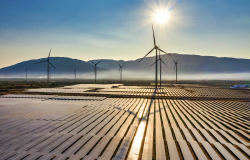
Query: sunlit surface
[[136, 146], [162, 16]]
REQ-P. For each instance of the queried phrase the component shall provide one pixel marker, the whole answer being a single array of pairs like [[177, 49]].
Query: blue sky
[[121, 29]]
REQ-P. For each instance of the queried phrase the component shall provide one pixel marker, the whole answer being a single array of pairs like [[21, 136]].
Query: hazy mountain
[[187, 65], [63, 67]]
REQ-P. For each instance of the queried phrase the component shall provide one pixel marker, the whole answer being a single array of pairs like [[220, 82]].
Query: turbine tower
[[156, 48], [161, 61], [175, 67], [26, 72], [49, 72], [48, 67], [120, 69], [74, 72], [95, 67]]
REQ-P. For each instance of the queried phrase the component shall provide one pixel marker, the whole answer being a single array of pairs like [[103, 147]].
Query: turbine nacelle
[[176, 62], [155, 47]]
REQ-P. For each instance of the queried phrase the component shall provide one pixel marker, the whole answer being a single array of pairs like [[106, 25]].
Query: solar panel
[[101, 127]]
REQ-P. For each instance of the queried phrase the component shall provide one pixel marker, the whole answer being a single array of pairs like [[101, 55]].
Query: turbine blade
[[92, 62], [159, 52], [49, 53], [40, 62], [162, 51], [52, 65], [163, 62], [153, 35], [119, 64], [152, 64], [147, 54], [123, 65], [173, 60], [174, 67], [98, 62], [177, 60]]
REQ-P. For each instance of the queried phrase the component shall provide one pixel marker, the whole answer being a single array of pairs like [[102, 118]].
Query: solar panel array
[[124, 128], [178, 92], [82, 86], [57, 90], [53, 97], [147, 92]]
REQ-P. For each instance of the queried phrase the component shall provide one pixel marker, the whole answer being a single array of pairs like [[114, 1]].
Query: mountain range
[[187, 64]]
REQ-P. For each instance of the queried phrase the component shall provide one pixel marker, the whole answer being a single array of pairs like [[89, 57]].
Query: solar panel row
[[164, 92], [124, 128]]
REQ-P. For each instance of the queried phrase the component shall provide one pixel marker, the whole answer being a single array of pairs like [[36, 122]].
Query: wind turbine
[[156, 48], [48, 62], [74, 72], [161, 61], [95, 67], [26, 72], [120, 69], [175, 67]]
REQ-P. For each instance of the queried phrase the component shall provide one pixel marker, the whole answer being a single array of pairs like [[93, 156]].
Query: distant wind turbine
[[156, 48], [48, 62], [26, 72], [74, 72], [175, 68], [120, 70], [161, 61], [95, 67]]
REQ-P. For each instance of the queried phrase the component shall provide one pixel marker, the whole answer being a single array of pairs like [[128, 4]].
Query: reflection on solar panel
[[41, 127]]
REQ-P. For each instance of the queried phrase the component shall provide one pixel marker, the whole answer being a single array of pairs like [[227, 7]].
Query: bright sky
[[121, 29]]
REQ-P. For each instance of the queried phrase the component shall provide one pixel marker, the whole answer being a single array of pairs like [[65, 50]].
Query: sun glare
[[162, 16]]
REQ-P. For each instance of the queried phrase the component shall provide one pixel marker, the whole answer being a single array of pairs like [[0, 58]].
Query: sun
[[161, 16]]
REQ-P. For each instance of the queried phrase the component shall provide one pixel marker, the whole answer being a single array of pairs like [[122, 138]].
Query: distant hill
[[190, 64], [63, 67], [108, 68]]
